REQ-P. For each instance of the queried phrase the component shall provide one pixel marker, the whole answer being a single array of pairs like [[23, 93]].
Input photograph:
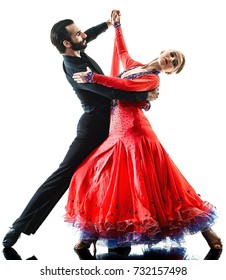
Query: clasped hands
[[115, 16], [86, 77]]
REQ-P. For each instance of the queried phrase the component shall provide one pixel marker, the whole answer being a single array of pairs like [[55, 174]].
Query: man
[[92, 128]]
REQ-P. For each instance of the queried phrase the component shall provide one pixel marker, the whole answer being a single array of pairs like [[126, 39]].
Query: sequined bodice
[[128, 118]]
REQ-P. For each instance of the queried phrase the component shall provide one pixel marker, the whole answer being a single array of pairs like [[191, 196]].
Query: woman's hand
[[83, 77], [153, 94]]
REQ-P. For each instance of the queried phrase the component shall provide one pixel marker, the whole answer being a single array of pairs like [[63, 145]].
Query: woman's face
[[170, 61]]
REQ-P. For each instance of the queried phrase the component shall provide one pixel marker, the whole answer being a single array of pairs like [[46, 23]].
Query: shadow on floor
[[162, 254], [178, 253]]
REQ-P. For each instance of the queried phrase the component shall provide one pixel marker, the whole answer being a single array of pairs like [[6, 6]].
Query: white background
[[39, 110]]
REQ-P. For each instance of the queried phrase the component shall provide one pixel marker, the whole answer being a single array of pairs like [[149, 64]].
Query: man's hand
[[153, 94], [109, 23]]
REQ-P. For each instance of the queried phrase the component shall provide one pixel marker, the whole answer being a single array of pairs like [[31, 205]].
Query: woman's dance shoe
[[82, 250]]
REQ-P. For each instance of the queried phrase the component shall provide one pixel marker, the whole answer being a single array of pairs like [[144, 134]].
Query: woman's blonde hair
[[182, 64]]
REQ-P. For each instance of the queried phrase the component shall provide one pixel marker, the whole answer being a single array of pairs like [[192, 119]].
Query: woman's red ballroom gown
[[129, 189]]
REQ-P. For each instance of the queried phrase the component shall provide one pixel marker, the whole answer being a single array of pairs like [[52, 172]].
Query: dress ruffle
[[146, 232]]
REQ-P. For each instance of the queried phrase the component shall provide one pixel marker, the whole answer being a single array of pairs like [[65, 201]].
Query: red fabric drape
[[115, 64]]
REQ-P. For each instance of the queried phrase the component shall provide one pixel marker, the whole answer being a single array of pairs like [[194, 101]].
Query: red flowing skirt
[[130, 190]]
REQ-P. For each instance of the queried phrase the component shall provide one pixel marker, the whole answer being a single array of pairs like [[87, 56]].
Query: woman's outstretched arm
[[147, 82]]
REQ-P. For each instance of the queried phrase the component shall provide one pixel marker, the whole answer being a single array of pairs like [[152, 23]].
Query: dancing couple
[[124, 188]]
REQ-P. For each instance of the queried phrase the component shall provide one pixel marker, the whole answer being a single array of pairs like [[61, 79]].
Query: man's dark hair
[[59, 33]]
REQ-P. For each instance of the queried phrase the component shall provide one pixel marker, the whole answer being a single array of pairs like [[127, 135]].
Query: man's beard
[[78, 46]]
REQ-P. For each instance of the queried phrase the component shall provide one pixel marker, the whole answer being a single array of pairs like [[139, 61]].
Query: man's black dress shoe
[[11, 237], [11, 254]]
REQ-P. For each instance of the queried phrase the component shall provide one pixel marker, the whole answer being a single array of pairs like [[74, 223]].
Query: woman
[[129, 190]]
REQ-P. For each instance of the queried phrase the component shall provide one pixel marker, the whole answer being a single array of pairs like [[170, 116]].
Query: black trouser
[[50, 192]]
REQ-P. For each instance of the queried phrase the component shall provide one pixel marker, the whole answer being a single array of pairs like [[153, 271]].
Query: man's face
[[78, 38]]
